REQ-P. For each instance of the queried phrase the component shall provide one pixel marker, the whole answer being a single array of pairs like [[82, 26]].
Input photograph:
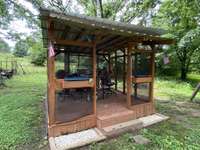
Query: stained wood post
[[116, 70], [94, 76], [109, 63], [51, 79], [97, 71], [129, 74], [151, 90], [66, 62], [124, 72], [78, 61], [135, 70]]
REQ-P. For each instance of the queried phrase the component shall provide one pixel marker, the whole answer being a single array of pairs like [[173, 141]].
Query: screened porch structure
[[106, 74]]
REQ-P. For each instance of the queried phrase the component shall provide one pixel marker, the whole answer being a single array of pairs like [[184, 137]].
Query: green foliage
[[38, 54], [4, 47], [181, 18], [125, 11], [4, 14], [21, 48], [22, 117]]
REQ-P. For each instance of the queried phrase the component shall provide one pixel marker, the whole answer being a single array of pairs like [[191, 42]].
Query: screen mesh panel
[[141, 64], [72, 104], [140, 93]]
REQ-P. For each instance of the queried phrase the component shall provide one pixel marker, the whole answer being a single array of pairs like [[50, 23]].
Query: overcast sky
[[19, 26]]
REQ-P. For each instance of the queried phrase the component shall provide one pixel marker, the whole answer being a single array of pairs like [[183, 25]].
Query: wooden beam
[[51, 77], [151, 90], [118, 45], [142, 79], [67, 61], [129, 74], [117, 42], [124, 72], [109, 63], [106, 41], [74, 43], [94, 77], [64, 33], [79, 34], [116, 70]]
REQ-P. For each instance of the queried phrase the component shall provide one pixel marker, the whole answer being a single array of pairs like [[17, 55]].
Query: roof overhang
[[78, 32]]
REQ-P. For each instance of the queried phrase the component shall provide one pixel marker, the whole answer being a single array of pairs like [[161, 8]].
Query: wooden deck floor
[[71, 109], [110, 110], [113, 110]]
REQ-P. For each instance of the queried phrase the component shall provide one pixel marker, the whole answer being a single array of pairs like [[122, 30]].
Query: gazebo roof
[[69, 29]]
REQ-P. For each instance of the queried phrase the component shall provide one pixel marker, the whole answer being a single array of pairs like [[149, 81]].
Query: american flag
[[51, 50]]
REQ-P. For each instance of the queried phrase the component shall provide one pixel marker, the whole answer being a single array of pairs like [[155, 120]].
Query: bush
[[38, 59], [38, 54], [21, 49], [170, 69]]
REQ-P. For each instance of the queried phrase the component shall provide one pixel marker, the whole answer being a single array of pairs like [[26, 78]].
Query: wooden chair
[[106, 83]]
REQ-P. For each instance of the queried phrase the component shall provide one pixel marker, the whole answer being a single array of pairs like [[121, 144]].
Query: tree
[[188, 46], [122, 10], [4, 48], [180, 18], [38, 54], [21, 48]]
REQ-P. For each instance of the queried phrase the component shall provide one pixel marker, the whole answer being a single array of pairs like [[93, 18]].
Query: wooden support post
[[94, 77], [51, 80], [66, 62], [116, 70], [124, 72], [109, 63], [134, 70], [151, 84], [78, 61], [97, 71], [129, 74]]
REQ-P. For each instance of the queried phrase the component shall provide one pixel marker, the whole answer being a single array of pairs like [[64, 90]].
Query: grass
[[169, 88], [22, 116]]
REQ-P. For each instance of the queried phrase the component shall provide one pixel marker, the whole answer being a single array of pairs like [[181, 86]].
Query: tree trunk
[[99, 8], [183, 73]]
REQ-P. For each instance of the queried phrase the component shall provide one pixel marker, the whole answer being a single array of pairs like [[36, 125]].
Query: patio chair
[[106, 83]]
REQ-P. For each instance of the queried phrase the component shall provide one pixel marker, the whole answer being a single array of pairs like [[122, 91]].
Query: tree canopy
[[179, 17], [4, 47]]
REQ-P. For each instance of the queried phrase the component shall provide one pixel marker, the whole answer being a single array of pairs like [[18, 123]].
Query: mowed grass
[[22, 115], [172, 88], [22, 123]]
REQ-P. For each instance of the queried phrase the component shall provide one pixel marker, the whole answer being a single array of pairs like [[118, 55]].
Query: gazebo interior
[[73, 103], [102, 72]]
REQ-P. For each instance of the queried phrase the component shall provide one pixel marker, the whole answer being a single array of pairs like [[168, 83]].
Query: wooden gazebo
[[96, 38]]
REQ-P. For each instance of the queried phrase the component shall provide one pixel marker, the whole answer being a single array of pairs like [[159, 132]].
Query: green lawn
[[22, 117]]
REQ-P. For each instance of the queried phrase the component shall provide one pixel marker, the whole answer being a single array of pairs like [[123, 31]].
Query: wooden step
[[115, 118]]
